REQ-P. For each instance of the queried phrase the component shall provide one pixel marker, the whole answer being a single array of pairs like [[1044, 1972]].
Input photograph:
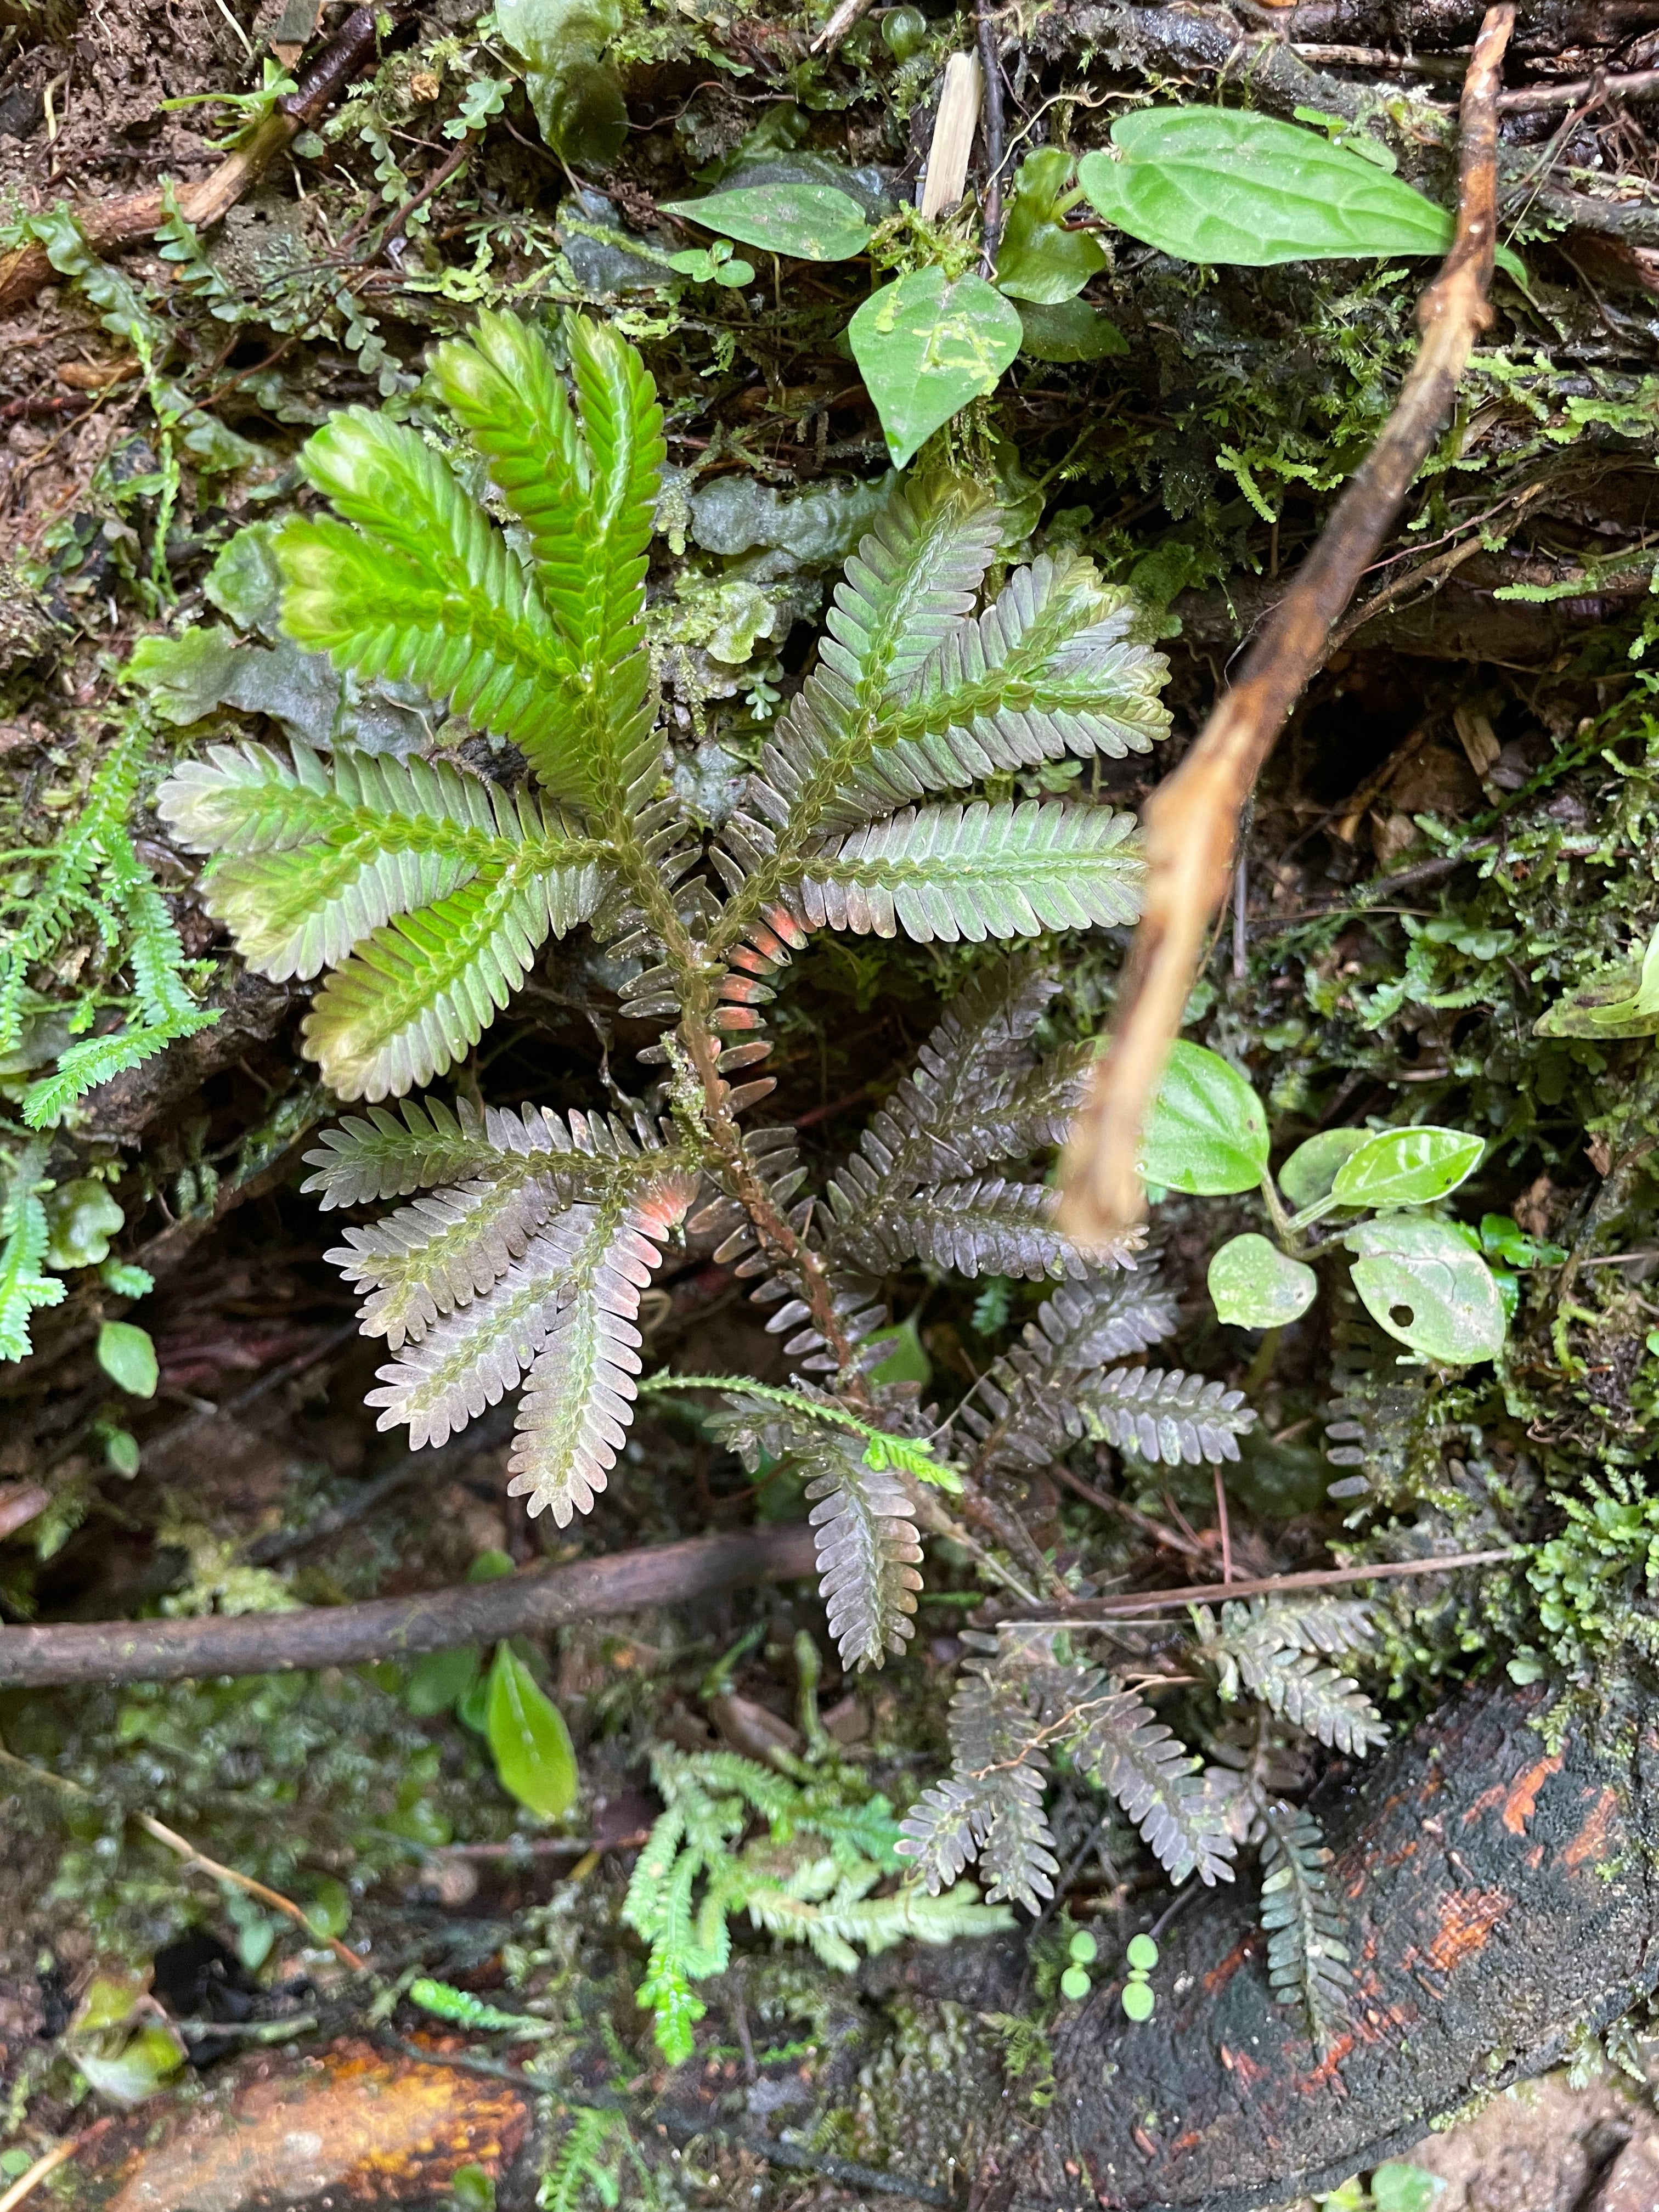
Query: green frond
[[503, 384], [1122, 1747], [24, 1236], [868, 1554], [1273, 1650], [1050, 667], [576, 1414], [441, 1252], [1327, 1705], [990, 1806], [418, 993], [82, 1066], [425, 590], [314, 857], [382, 1156], [1009, 870]]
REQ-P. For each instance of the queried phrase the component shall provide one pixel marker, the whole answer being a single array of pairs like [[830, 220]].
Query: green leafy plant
[[801, 1850], [1424, 1281], [428, 892]]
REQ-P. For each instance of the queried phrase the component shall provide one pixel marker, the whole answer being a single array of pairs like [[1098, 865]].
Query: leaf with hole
[[925, 347], [1420, 1281], [1038, 258], [528, 1734], [807, 222], [1208, 1133], [1255, 1285], [1226, 185], [1312, 1168], [1407, 1167]]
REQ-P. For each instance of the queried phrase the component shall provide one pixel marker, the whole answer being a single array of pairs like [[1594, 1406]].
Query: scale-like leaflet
[[990, 1806], [1121, 1745], [1166, 1415], [1273, 1649], [1307, 1955]]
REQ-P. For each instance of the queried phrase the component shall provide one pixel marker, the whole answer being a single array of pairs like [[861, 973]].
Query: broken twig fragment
[[1192, 818]]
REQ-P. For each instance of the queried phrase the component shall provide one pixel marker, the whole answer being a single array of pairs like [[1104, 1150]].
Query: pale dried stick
[[1192, 818]]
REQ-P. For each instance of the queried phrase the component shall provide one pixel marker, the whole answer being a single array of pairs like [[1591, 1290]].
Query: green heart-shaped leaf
[[926, 347], [1253, 1284], [1308, 1175], [1208, 1133], [528, 1734], [809, 222], [1222, 184], [1421, 1282], [1407, 1167]]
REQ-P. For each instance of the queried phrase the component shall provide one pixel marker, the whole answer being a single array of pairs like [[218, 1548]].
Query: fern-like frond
[[381, 1157], [1307, 1957], [440, 1253], [414, 996], [425, 590], [312, 858], [1050, 668], [575, 1415], [989, 1226], [1125, 1749], [503, 383], [867, 1550], [1328, 1705], [1166, 1415], [990, 1807], [24, 1236], [82, 1067], [1009, 870], [1025, 1411]]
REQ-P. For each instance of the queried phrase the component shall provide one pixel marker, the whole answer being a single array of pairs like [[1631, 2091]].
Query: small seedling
[[1074, 1983], [1138, 1998]]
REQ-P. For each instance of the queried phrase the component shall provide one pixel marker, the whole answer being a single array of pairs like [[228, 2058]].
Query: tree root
[[1499, 1897]]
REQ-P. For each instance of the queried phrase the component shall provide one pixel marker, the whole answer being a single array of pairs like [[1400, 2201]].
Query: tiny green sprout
[[1142, 1953], [1083, 1948], [1138, 2000], [1074, 1983]]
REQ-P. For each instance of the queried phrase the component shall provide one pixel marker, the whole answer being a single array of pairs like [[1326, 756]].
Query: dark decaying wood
[[1498, 1895]]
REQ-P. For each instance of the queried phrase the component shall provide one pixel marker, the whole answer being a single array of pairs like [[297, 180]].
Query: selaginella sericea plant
[[425, 892]]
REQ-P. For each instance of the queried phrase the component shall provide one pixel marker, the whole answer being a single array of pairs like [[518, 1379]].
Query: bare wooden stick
[[1192, 818], [1130, 1608], [108, 225], [533, 1600], [1537, 99]]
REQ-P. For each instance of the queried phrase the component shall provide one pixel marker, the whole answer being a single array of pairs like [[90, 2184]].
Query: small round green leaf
[[926, 347], [1398, 2187], [127, 1356], [808, 223], [1256, 1286], [80, 1218], [1308, 1175], [1074, 1983], [1138, 2000], [1208, 1133], [121, 1450], [1420, 1281], [905, 30], [440, 1680], [1083, 1948], [1407, 1167], [1142, 1953], [528, 1734]]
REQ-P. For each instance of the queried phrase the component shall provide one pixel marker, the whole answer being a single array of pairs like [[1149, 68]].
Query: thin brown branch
[[527, 1603], [1192, 818], [109, 225], [1130, 1608]]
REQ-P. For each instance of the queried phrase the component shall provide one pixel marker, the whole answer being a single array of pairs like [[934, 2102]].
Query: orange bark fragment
[[1590, 1842], [1467, 1919], [1522, 1798]]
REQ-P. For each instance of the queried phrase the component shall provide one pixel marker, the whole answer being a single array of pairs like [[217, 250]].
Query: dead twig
[[1192, 818], [1538, 99], [109, 225], [184, 1849], [527, 1603], [1130, 1608], [991, 65]]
